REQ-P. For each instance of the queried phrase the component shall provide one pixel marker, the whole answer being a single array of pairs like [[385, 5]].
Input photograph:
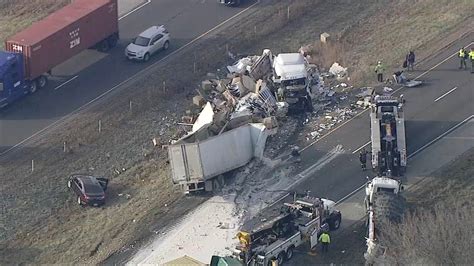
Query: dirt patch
[[52, 223]]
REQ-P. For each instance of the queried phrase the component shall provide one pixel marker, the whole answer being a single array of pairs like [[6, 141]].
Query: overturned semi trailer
[[195, 164]]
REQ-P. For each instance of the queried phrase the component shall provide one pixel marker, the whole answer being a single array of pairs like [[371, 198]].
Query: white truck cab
[[147, 43]]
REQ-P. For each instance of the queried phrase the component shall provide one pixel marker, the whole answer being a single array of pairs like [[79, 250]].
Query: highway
[[444, 100], [91, 74]]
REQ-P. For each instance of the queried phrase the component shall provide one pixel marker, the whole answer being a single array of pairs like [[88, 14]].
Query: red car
[[89, 190]]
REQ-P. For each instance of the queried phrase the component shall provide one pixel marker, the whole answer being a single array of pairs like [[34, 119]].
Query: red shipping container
[[65, 33]]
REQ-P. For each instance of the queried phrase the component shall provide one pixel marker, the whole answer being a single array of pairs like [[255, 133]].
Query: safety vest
[[471, 55], [324, 238], [379, 68], [462, 53]]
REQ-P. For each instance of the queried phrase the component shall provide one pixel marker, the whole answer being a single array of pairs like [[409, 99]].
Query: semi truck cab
[[12, 84]]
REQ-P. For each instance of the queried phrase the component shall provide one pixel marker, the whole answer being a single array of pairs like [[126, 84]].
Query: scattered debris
[[337, 70]]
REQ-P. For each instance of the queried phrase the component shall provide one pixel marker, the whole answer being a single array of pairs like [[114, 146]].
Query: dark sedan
[[89, 190]]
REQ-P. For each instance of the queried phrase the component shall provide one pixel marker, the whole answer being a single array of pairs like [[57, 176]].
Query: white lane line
[[359, 114], [350, 194], [441, 136], [415, 152], [361, 147], [123, 16], [125, 81], [135, 9], [69, 80], [442, 96]]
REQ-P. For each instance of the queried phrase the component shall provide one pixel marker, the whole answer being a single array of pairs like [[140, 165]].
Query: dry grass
[[16, 15], [439, 230], [52, 222]]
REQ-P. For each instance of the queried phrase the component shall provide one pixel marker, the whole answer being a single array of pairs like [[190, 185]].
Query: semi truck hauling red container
[[35, 51]]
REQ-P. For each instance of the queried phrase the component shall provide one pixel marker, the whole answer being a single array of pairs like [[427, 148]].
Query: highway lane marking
[[359, 114], [135, 9], [66, 82], [441, 136], [57, 122], [447, 132], [442, 96], [123, 16]]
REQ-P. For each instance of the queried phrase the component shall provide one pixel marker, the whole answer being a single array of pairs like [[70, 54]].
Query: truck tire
[[103, 46], [79, 201], [42, 81], [146, 57], [389, 207], [166, 45], [289, 253], [281, 257], [112, 40], [335, 222], [33, 86]]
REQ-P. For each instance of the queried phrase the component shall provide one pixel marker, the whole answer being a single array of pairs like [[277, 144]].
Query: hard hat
[[379, 62]]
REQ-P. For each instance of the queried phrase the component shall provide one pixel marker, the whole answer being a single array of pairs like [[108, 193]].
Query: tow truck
[[274, 239], [384, 200]]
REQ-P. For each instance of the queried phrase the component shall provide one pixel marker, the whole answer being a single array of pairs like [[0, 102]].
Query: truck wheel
[[166, 45], [42, 81], [335, 222], [146, 57], [281, 257], [33, 86], [289, 253], [103, 46]]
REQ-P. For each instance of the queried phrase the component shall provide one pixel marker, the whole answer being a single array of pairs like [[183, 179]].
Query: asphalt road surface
[[90, 74], [445, 99]]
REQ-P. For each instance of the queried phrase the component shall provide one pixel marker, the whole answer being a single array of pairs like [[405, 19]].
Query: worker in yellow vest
[[325, 241], [463, 54], [379, 69], [471, 56]]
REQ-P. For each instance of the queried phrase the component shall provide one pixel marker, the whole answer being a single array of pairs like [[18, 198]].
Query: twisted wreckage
[[240, 111]]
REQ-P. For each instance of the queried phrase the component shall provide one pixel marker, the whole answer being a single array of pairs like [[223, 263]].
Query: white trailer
[[195, 165]]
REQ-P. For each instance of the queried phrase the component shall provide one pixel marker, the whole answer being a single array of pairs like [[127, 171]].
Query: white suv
[[147, 43]]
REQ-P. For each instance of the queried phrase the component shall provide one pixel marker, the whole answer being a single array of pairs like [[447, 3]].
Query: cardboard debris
[[207, 85], [367, 91], [337, 70], [248, 83], [198, 100]]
